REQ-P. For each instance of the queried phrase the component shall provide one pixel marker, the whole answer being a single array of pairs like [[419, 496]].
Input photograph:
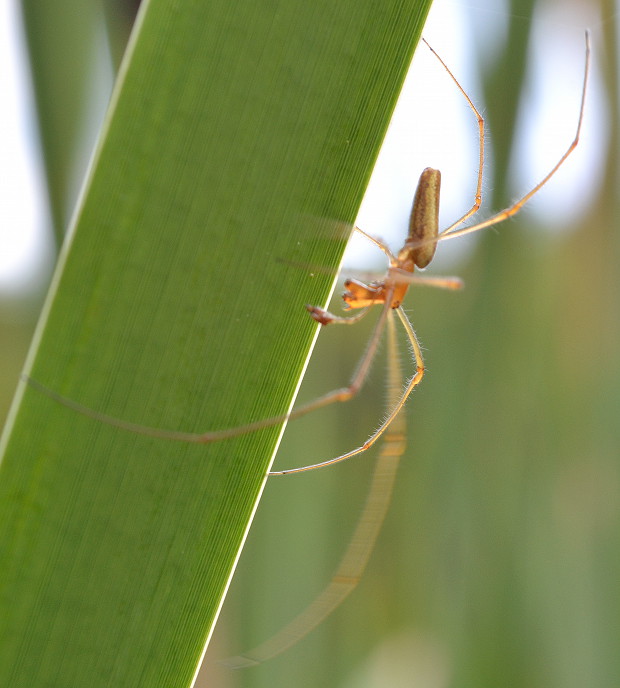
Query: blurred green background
[[500, 558]]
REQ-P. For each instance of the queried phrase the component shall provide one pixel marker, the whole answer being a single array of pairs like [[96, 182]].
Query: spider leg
[[326, 318], [453, 283], [451, 232], [378, 243], [337, 395], [415, 380], [478, 194], [356, 556]]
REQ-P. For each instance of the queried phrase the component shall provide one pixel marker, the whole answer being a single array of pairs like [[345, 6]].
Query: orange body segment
[[418, 250]]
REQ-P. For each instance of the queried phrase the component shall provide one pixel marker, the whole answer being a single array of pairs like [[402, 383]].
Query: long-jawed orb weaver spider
[[418, 251], [389, 292]]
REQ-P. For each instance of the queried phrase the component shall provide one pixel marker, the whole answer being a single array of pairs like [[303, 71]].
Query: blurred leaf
[[61, 40]]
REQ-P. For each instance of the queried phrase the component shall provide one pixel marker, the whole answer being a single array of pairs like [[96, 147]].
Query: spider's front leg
[[321, 315], [357, 295], [325, 317]]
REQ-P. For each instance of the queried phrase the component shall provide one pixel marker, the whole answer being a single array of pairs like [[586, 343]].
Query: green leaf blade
[[238, 143]]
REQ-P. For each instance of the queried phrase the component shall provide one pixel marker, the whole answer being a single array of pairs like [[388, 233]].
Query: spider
[[417, 252]]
